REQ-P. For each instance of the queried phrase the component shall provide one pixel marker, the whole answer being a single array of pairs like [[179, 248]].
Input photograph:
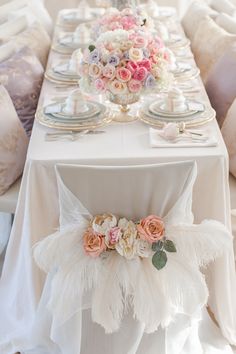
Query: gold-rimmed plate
[[191, 74], [49, 121], [178, 44], [58, 78], [190, 122]]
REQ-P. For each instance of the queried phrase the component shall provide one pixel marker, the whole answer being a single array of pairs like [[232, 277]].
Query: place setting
[[75, 113], [71, 18], [175, 107], [65, 72], [160, 13], [67, 42]]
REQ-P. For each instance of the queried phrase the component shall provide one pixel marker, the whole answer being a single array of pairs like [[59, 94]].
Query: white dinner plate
[[158, 108]]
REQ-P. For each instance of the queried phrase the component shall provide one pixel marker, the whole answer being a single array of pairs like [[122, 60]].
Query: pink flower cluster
[[113, 19], [123, 62]]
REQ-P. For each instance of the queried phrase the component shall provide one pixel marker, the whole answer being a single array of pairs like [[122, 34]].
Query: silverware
[[71, 135]]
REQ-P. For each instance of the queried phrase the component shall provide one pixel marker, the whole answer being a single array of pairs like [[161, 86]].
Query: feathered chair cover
[[111, 286]]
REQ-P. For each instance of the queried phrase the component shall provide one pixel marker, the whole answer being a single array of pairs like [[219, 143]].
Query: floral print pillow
[[22, 76], [13, 143]]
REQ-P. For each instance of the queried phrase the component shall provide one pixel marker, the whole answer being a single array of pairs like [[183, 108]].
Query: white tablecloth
[[37, 214]]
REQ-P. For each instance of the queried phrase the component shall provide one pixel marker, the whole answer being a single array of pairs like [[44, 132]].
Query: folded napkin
[[53, 108], [157, 141]]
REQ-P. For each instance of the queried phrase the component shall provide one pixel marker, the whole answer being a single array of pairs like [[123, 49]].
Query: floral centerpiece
[[128, 19], [142, 239], [124, 63]]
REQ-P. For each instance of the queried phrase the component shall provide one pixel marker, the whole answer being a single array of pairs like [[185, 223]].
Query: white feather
[[51, 251], [201, 243], [107, 300], [148, 297]]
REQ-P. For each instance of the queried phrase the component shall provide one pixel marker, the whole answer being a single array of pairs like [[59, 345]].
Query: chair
[[133, 192], [9, 199]]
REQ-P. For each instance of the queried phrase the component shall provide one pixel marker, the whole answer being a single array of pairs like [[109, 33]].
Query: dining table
[[115, 144]]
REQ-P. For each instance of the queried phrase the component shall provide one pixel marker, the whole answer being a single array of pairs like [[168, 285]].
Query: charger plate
[[188, 74], [55, 77], [48, 121], [179, 44], [156, 109], [65, 49], [193, 120]]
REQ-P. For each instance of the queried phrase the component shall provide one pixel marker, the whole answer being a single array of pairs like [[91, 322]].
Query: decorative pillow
[[36, 7], [227, 22], [229, 134], [22, 76], [13, 143], [11, 28], [35, 38], [221, 84], [209, 44], [196, 12], [6, 51], [223, 6]]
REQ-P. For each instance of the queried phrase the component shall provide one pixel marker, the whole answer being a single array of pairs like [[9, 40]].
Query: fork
[[70, 135]]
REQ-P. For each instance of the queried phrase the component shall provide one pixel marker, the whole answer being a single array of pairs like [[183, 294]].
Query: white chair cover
[[166, 190], [209, 44]]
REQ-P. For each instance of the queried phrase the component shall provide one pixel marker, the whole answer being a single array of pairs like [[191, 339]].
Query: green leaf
[[157, 246], [159, 259], [91, 47], [169, 246]]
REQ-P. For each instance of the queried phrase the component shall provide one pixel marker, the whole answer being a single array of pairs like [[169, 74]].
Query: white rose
[[135, 54], [126, 247], [143, 248], [103, 223]]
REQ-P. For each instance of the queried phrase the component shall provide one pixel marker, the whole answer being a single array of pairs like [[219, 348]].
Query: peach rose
[[94, 243], [123, 74], [117, 87], [95, 71], [151, 229], [134, 86]]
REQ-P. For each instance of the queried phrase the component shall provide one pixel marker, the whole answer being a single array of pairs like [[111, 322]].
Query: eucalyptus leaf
[[91, 47], [159, 259], [157, 246], [169, 246]]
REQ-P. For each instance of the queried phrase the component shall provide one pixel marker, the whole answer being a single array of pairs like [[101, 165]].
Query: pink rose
[[140, 42], [112, 237], [123, 74], [151, 229], [109, 71], [94, 243], [132, 66], [145, 63], [128, 22], [140, 74], [134, 86], [114, 26], [100, 85]]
